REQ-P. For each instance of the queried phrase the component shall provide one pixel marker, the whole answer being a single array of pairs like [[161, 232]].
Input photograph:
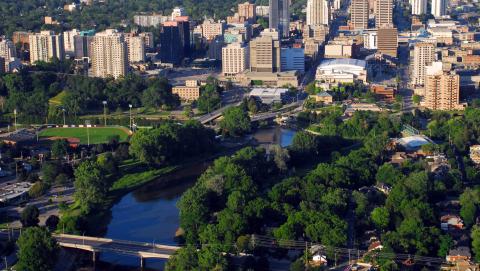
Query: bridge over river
[[98, 245]]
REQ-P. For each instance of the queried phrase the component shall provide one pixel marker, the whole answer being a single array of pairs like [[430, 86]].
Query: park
[[96, 135]]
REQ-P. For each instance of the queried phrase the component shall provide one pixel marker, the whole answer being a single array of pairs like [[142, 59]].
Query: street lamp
[[105, 113], [87, 123], [130, 106], [15, 118], [64, 122]]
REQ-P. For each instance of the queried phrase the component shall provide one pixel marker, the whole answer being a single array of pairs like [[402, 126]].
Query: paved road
[[118, 246]]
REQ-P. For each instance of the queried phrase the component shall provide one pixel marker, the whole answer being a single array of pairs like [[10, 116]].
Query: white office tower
[[177, 12], [235, 59], [419, 7], [318, 12], [45, 46], [439, 8], [109, 54], [136, 49], [370, 39]]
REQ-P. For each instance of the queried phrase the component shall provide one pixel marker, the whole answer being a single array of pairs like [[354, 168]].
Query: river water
[[149, 214]]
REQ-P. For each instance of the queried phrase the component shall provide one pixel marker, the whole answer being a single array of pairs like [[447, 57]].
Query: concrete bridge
[[98, 245]]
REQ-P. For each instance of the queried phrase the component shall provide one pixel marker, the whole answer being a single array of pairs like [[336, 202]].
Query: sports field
[[97, 135]]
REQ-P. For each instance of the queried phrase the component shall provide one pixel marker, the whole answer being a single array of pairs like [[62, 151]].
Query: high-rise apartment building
[[211, 29], [69, 40], [387, 41], [7, 49], [248, 11], [442, 90], [178, 12], [419, 7], [383, 13], [337, 4], [148, 20], [359, 14], [235, 59], [265, 54], [109, 54], [45, 46], [318, 12], [423, 56], [136, 48], [439, 8], [279, 16]]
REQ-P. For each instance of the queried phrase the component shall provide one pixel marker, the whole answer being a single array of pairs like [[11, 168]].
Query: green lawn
[[97, 135]]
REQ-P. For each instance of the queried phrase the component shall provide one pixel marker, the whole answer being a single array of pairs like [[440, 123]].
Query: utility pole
[[15, 118], [130, 106], [64, 122]]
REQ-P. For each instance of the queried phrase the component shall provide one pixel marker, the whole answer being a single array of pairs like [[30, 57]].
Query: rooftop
[[343, 61]]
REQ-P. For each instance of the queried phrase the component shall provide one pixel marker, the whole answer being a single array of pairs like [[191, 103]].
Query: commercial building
[[270, 79], [269, 95], [136, 48], [318, 33], [370, 39], [359, 14], [423, 56], [189, 92], [235, 59], [318, 12], [215, 48], [342, 70], [439, 8], [387, 41], [383, 92], [383, 13], [150, 20], [265, 54], [419, 7], [336, 50], [292, 59], [109, 54], [174, 42], [45, 46], [279, 16], [262, 11], [442, 89]]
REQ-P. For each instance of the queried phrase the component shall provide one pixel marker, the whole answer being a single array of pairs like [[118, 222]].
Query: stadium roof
[[343, 61]]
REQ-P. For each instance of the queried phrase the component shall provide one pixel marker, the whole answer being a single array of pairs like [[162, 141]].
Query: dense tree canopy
[[37, 250]]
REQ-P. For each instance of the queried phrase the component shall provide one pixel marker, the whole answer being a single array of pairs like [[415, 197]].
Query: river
[[149, 214]]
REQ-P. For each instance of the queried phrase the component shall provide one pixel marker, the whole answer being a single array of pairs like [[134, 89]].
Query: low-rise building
[[461, 253], [269, 95], [270, 79], [323, 97], [190, 92], [383, 92]]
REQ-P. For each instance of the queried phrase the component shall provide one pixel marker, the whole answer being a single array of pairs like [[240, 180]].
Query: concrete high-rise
[[359, 14], [69, 40], [7, 49], [45, 46], [136, 49], [265, 54], [419, 7], [279, 16], [318, 12], [248, 11], [423, 55], [109, 54], [235, 59], [383, 13], [387, 41], [439, 8], [442, 90]]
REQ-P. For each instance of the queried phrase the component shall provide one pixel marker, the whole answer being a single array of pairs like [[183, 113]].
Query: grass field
[[57, 100], [97, 135]]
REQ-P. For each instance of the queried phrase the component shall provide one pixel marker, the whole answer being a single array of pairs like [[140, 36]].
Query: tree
[[444, 246], [388, 174], [38, 189], [37, 250], [476, 242], [416, 99], [29, 216], [91, 186], [281, 157], [235, 121], [209, 100], [52, 222], [50, 170], [59, 148], [380, 217], [185, 258]]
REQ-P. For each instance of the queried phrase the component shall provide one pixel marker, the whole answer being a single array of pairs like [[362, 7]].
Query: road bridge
[[98, 245]]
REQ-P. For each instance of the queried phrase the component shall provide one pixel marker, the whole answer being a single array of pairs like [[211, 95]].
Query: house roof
[[460, 251], [324, 94]]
